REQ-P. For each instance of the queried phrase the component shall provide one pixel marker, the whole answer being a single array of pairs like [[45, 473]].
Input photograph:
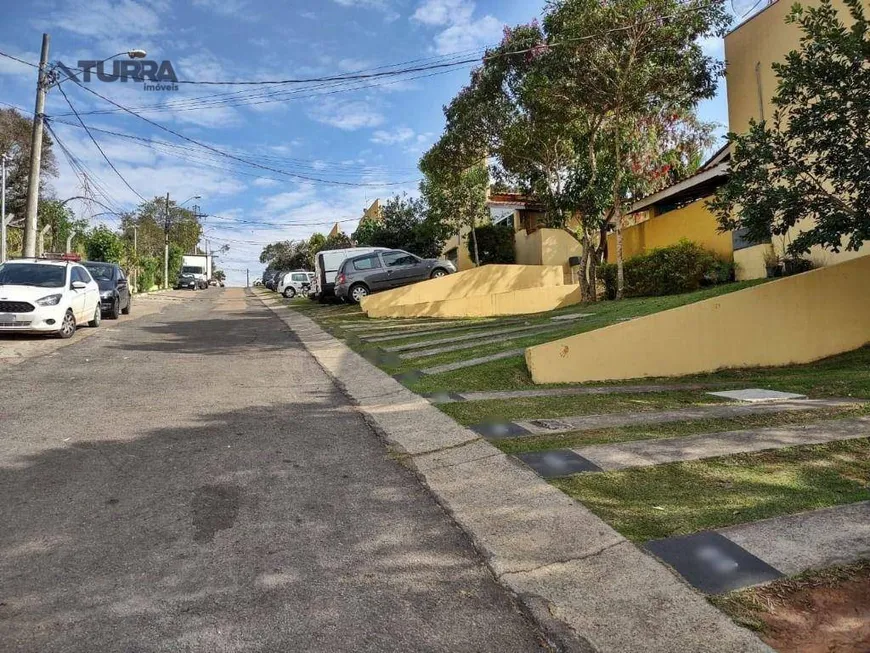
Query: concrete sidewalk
[[579, 576]]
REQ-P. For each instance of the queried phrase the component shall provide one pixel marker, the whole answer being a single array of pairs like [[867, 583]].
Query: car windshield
[[101, 272], [32, 274], [189, 269]]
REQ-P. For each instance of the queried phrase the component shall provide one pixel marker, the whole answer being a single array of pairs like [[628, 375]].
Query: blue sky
[[368, 138]]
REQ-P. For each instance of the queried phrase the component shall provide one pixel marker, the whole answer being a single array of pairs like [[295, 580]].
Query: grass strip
[[680, 498], [526, 408], [674, 429]]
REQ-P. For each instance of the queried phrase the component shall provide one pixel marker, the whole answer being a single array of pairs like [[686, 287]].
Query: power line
[[94, 140]]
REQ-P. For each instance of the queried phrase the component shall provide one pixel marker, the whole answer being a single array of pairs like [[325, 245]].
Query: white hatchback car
[[294, 283], [48, 296]]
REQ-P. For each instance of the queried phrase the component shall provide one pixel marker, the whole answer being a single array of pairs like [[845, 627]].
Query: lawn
[[680, 498], [675, 429], [475, 412]]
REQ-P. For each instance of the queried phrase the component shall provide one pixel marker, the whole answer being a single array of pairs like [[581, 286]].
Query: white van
[[326, 265]]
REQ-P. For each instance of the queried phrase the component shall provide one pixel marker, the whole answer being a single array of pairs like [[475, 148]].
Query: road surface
[[192, 481]]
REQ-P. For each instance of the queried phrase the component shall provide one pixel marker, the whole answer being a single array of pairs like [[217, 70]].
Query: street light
[[195, 197]]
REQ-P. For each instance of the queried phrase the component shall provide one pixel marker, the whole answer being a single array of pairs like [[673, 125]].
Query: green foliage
[[286, 255], [338, 240], [103, 244], [405, 224], [495, 244], [15, 134], [219, 275], [61, 223], [185, 229], [149, 266], [680, 268], [812, 161]]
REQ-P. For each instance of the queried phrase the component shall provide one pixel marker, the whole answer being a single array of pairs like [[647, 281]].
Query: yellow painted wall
[[758, 43], [751, 262], [797, 319], [694, 222], [477, 282], [464, 260], [524, 301]]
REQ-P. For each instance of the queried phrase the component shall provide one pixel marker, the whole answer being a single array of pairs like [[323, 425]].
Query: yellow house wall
[[781, 322], [751, 262], [693, 222], [474, 284], [759, 42], [464, 260]]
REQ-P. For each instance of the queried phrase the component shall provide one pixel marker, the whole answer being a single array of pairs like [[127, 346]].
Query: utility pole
[[3, 209], [247, 278], [36, 153], [166, 247], [136, 258]]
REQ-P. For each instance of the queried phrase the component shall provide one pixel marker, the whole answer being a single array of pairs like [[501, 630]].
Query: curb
[[586, 587]]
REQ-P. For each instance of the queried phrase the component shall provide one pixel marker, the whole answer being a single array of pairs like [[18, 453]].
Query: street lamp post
[[43, 83]]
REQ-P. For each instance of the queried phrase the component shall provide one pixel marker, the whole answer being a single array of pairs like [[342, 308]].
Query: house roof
[[709, 177], [514, 201]]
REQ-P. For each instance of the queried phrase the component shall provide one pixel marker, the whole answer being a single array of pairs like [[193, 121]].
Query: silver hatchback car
[[363, 275]]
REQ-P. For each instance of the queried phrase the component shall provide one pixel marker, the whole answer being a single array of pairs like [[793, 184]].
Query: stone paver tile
[[712, 563], [477, 335], [571, 316], [499, 430], [645, 453], [716, 411], [757, 395], [557, 462], [808, 540], [428, 332], [623, 600], [472, 362]]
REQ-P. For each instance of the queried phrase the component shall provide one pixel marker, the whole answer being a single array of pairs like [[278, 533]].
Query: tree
[[286, 255], [338, 240], [495, 243], [405, 224], [185, 229], [315, 244], [812, 163], [103, 244], [219, 275], [15, 133], [61, 223]]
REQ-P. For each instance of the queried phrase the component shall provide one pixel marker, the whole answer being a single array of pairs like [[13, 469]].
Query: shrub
[[679, 268], [796, 265], [495, 243], [148, 267]]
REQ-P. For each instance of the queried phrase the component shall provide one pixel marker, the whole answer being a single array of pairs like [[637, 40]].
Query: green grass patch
[[680, 498], [675, 429], [525, 408]]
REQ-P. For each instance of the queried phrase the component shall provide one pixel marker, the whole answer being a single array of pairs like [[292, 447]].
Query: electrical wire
[[94, 140]]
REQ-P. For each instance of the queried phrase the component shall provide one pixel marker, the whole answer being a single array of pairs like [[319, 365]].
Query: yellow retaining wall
[[515, 302], [487, 290], [459, 241], [751, 263], [693, 222], [798, 319]]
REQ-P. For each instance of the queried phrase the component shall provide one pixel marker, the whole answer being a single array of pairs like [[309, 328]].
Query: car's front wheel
[[98, 317], [115, 313], [289, 292], [358, 293], [67, 326], [437, 273], [129, 307]]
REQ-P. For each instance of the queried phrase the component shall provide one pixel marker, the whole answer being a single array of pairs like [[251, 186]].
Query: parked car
[[362, 275], [327, 265], [294, 283], [47, 296], [115, 295], [270, 278], [187, 280]]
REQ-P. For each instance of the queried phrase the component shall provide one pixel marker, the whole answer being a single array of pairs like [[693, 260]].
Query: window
[[101, 271], [302, 277], [121, 276], [367, 263], [397, 259], [79, 274], [32, 274]]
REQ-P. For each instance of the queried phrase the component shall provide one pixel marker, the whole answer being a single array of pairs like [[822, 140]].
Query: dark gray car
[[363, 275], [115, 295]]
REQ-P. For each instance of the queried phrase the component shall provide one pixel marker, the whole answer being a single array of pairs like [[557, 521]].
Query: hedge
[[679, 268]]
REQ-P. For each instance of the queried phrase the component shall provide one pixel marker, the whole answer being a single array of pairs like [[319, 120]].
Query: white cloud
[[234, 8], [460, 31], [377, 5], [398, 135], [346, 115], [349, 65], [109, 19], [265, 182], [444, 12]]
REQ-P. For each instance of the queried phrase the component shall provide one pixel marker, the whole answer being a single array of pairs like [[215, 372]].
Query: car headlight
[[106, 295], [49, 300]]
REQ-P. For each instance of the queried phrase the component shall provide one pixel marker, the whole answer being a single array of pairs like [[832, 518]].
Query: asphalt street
[[192, 480]]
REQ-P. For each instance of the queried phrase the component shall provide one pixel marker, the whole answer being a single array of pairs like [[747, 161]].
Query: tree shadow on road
[[281, 527]]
